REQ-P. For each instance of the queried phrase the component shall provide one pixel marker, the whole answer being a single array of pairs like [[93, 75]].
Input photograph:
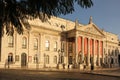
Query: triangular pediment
[[93, 29]]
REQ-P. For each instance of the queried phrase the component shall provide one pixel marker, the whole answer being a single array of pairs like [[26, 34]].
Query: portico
[[89, 50], [87, 44]]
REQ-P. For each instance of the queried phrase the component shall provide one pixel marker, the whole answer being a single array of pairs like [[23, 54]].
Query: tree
[[14, 13]]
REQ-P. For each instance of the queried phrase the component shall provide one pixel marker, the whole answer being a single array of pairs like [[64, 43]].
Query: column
[[15, 46], [39, 48], [67, 56], [29, 36], [88, 54], [76, 46], [82, 49], [94, 52], [102, 52], [99, 53], [42, 55]]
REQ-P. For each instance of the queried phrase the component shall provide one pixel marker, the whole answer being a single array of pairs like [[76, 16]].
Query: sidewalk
[[114, 72]]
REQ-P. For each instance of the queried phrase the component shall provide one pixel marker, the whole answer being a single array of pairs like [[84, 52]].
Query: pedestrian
[[84, 65], [92, 67], [68, 66], [6, 63], [111, 64]]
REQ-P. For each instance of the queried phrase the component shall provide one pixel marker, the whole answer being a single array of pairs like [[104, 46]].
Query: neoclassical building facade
[[60, 43]]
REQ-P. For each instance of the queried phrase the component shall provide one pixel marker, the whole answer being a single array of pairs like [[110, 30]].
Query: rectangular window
[[17, 58], [47, 45], [30, 59], [70, 47], [10, 44], [35, 44], [55, 60], [62, 47], [24, 43], [36, 59], [55, 46], [10, 41], [47, 59]]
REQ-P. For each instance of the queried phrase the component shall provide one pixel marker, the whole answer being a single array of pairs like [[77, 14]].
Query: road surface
[[12, 74]]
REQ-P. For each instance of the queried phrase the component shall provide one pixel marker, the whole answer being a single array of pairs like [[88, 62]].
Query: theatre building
[[60, 43]]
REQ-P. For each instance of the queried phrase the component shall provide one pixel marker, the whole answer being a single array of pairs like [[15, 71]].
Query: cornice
[[45, 30], [90, 34]]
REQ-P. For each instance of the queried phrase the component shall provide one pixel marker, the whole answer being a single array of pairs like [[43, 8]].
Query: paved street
[[12, 74]]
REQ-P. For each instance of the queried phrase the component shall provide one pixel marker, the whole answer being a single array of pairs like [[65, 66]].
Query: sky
[[105, 14]]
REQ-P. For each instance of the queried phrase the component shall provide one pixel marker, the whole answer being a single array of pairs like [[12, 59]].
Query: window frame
[[35, 44], [55, 60], [24, 43], [10, 41], [47, 45], [55, 46]]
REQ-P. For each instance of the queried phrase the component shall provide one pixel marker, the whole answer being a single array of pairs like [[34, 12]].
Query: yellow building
[[60, 43]]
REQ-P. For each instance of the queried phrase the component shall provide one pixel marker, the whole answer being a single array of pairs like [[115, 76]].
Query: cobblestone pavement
[[13, 74]]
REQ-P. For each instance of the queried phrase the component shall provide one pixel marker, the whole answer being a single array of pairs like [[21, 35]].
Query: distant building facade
[[60, 43]]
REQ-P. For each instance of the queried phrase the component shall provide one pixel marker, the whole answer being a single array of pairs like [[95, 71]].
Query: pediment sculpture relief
[[92, 30]]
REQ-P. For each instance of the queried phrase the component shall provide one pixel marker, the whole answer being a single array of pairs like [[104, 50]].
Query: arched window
[[10, 58], [55, 59], [112, 53], [55, 46], [35, 58], [47, 59], [35, 44], [10, 41], [47, 45], [24, 42], [62, 59]]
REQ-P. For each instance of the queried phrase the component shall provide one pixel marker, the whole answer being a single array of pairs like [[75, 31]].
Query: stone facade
[[60, 43]]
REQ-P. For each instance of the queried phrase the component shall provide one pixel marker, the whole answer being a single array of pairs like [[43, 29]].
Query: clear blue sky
[[105, 13]]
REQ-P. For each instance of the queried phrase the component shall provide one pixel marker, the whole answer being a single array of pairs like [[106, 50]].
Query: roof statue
[[76, 23], [90, 20]]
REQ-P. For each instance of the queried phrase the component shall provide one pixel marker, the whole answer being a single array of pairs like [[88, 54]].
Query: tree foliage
[[14, 13]]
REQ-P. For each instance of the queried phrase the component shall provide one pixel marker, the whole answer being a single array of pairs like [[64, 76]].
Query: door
[[70, 60], [23, 60], [119, 59]]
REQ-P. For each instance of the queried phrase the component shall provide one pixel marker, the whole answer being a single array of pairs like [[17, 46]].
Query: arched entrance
[[23, 60], [10, 58]]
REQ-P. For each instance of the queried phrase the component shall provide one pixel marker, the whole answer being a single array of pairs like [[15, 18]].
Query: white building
[[60, 42]]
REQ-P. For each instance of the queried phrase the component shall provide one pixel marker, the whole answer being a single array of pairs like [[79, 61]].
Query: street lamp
[[61, 65], [60, 53], [59, 59]]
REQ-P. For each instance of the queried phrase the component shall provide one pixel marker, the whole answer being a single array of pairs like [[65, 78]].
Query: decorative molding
[[90, 35], [47, 37], [92, 30], [55, 38]]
